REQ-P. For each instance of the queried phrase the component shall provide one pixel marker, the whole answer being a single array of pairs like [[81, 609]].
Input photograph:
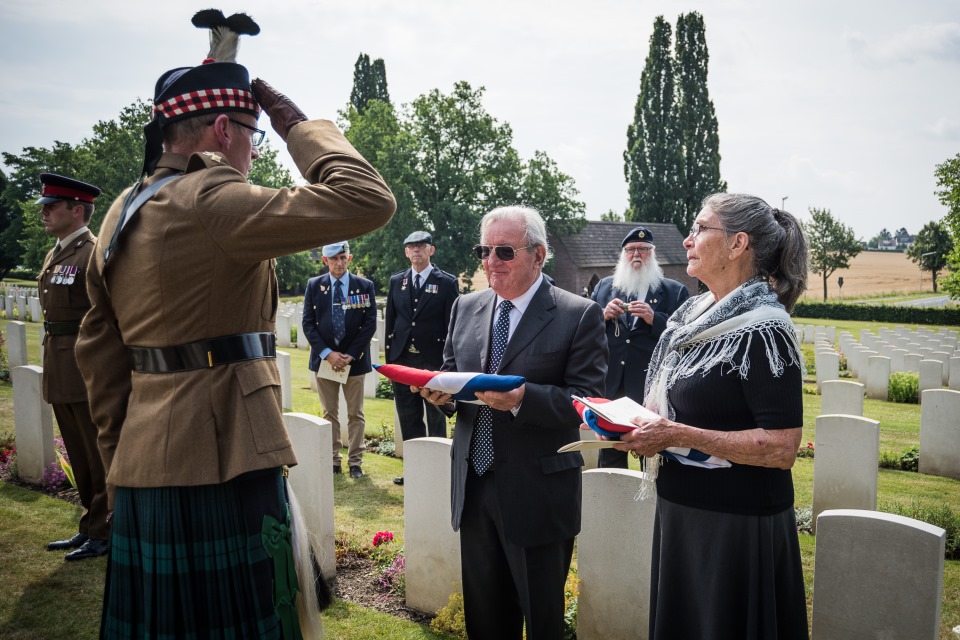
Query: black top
[[723, 401]]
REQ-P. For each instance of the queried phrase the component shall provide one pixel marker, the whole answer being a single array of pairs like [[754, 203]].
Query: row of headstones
[[19, 303], [873, 367], [857, 550]]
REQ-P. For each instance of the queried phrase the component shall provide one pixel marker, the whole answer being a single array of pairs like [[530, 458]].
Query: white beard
[[636, 282]]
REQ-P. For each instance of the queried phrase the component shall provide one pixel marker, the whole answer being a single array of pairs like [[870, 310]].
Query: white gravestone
[[877, 575], [8, 304], [911, 362], [864, 366], [33, 423], [312, 482], [897, 360], [940, 433], [16, 344], [944, 358], [286, 386], [283, 329], [931, 372], [297, 321], [371, 379], [808, 333], [21, 306], [954, 382], [36, 314], [828, 367], [613, 557], [845, 464], [878, 377], [432, 546], [842, 396]]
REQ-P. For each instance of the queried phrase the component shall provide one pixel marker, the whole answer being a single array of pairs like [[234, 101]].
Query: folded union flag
[[462, 385], [609, 429]]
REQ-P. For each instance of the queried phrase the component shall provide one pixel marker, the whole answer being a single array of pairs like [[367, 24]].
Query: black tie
[[416, 282], [482, 443]]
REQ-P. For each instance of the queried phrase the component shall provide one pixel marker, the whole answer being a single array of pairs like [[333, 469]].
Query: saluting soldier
[[178, 352], [67, 207], [418, 312]]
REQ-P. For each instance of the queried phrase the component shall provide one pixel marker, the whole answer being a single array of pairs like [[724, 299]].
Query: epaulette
[[206, 160], [401, 272]]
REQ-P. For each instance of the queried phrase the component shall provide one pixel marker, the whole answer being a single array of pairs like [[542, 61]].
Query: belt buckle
[[412, 349]]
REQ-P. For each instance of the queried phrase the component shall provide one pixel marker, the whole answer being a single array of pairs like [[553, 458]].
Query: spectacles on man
[[503, 252], [257, 135], [697, 228], [632, 251]]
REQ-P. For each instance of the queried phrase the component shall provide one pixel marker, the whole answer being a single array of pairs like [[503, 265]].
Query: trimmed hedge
[[877, 313]]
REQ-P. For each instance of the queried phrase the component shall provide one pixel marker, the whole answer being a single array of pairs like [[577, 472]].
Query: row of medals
[[64, 273]]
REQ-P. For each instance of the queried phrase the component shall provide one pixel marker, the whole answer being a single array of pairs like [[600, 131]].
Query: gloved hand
[[283, 113]]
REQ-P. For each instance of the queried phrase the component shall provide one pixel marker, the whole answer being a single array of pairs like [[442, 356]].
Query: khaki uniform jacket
[[196, 263], [62, 285]]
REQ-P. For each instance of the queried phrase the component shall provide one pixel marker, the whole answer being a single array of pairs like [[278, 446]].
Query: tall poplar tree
[[697, 118], [369, 82], [653, 161]]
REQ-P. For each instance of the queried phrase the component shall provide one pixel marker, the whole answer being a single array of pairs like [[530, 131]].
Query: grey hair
[[780, 253], [186, 131], [535, 231]]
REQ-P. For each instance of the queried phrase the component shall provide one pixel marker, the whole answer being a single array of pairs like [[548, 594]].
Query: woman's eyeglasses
[[503, 252], [697, 228]]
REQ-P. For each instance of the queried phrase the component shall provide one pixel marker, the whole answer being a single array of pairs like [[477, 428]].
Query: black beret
[[638, 234]]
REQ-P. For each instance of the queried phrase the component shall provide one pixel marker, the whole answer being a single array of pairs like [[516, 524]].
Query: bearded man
[[636, 301]]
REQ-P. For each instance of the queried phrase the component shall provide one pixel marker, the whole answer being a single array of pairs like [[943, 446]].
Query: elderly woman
[[725, 379]]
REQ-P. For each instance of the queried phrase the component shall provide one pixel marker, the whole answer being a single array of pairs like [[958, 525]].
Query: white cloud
[[944, 129], [937, 42]]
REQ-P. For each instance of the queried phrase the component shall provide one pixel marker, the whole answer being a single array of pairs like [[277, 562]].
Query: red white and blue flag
[[462, 386]]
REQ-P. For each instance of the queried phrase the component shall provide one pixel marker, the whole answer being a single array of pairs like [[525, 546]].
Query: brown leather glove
[[283, 113]]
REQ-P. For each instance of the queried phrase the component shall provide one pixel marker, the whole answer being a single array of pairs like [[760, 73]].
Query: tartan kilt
[[188, 562]]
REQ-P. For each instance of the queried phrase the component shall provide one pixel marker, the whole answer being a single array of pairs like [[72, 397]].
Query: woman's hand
[[650, 437]]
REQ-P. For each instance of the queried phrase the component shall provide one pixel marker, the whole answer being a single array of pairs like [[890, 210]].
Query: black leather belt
[[204, 354], [65, 328]]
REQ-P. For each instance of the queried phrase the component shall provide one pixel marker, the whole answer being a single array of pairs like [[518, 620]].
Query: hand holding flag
[[463, 386]]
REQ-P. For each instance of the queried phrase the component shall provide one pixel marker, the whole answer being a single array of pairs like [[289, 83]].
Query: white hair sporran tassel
[[308, 609]]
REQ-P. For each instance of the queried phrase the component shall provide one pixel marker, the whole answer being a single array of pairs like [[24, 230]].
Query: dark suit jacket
[[560, 348], [631, 347], [419, 319], [361, 323]]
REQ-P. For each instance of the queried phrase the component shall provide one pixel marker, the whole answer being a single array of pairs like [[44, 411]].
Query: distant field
[[871, 273]]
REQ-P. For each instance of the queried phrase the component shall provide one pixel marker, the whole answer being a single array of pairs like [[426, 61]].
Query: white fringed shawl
[[701, 335]]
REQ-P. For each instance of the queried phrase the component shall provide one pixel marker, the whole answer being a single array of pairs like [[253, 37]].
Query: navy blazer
[[560, 348], [361, 322], [422, 319], [631, 346]]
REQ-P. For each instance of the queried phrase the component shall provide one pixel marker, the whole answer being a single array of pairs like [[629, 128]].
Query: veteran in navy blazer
[[636, 301], [346, 345], [514, 498], [418, 313]]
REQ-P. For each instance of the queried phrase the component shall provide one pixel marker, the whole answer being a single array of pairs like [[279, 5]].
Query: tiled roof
[[598, 244]]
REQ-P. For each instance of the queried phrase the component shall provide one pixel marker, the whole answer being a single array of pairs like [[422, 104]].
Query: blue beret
[[419, 236], [335, 249], [638, 234]]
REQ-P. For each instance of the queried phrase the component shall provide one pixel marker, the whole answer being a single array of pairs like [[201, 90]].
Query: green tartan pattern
[[189, 562]]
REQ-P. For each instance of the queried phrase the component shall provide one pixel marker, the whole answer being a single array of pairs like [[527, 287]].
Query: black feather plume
[[225, 32]]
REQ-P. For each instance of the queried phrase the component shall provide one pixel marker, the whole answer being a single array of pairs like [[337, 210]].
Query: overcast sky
[[831, 103]]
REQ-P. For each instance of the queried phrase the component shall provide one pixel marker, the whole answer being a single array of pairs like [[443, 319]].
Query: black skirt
[[720, 576], [190, 562]]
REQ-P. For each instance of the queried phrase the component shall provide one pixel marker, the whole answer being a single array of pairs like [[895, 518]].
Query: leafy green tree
[[696, 117], [369, 82], [10, 225], [380, 137], [553, 193], [948, 192], [832, 244], [653, 160], [611, 216], [267, 171], [930, 249]]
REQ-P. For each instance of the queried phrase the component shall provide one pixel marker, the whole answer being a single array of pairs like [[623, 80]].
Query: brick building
[[581, 260]]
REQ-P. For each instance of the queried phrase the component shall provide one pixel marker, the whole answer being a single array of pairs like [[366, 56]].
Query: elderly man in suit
[[636, 301], [339, 320], [515, 499], [418, 313], [62, 283], [178, 352]]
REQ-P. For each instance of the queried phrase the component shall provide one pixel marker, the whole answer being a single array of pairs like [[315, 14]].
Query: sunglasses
[[504, 252]]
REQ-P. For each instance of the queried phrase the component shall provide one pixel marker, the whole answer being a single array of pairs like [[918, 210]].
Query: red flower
[[382, 537]]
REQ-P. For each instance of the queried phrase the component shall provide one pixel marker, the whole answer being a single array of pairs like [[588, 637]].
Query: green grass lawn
[[43, 597]]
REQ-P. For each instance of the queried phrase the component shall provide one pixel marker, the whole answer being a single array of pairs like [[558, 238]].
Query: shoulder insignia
[[205, 160]]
